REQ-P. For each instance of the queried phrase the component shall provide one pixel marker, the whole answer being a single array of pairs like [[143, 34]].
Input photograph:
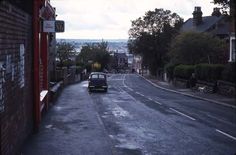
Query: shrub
[[228, 74], [169, 68], [208, 72], [183, 71], [79, 69]]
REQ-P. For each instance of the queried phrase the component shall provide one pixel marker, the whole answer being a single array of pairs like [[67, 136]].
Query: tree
[[193, 48], [65, 51], [226, 5], [150, 35], [95, 53]]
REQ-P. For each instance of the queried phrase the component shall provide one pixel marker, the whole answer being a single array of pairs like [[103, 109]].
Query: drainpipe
[[36, 98]]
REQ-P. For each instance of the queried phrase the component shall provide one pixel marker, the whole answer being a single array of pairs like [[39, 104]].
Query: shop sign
[[48, 26], [59, 26], [53, 26]]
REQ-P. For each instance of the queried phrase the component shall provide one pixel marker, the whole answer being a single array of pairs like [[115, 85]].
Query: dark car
[[97, 81]]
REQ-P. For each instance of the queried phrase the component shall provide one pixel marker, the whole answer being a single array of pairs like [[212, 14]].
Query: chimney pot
[[197, 16]]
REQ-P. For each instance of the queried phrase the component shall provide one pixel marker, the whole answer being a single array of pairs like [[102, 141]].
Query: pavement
[[210, 97], [72, 126]]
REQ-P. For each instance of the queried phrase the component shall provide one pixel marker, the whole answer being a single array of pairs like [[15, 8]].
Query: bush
[[208, 72], [183, 71], [169, 68], [228, 74], [79, 69]]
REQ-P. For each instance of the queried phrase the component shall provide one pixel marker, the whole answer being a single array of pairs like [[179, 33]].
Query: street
[[134, 117]]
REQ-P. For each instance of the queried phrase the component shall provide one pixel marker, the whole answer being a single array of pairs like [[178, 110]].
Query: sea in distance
[[114, 45]]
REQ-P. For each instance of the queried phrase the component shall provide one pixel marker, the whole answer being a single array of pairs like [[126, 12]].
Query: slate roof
[[120, 55], [207, 23]]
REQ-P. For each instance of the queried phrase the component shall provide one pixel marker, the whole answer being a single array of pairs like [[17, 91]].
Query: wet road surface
[[133, 118], [142, 119]]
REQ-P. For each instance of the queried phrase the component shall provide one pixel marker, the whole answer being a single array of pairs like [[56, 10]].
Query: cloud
[[111, 19]]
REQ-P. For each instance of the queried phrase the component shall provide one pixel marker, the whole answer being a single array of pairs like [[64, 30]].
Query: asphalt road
[[142, 119], [133, 118]]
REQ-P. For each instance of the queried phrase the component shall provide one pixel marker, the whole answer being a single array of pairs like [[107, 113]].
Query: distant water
[[115, 45], [92, 40]]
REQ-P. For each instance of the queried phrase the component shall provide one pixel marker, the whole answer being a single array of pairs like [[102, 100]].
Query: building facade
[[121, 60], [16, 75], [24, 55]]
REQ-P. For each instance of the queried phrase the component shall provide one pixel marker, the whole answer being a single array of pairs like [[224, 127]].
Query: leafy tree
[[226, 5], [65, 51], [95, 53], [193, 48], [150, 35]]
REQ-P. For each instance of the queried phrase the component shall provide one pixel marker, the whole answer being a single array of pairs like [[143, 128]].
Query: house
[[121, 60], [215, 24]]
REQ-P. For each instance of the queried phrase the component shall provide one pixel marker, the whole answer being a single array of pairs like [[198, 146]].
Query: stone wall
[[226, 88]]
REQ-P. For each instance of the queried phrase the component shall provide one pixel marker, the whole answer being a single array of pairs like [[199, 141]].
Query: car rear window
[[98, 76]]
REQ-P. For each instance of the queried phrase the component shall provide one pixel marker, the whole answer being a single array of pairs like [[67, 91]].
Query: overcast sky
[[111, 19]]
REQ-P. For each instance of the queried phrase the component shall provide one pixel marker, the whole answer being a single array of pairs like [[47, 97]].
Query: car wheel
[[105, 90]]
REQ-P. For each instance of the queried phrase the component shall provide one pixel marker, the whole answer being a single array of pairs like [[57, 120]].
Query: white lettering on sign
[[48, 26]]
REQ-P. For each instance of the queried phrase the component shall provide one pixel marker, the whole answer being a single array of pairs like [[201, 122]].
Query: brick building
[[24, 59], [16, 80]]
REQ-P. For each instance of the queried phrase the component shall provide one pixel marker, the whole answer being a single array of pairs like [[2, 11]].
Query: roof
[[120, 55], [207, 23]]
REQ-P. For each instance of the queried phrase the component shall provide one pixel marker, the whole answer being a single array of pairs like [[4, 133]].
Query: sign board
[[59, 26], [48, 26], [53, 26]]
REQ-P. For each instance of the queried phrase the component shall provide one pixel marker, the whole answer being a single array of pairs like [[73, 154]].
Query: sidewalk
[[70, 127], [214, 98]]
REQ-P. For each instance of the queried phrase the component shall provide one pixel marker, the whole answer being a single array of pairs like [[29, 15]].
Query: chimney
[[216, 12], [197, 16]]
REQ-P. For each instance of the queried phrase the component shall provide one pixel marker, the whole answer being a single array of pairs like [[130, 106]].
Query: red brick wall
[[16, 77]]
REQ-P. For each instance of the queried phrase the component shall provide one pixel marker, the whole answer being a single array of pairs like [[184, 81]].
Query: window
[[94, 76], [101, 76]]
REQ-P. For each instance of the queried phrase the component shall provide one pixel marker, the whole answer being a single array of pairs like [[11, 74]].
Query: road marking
[[183, 114], [158, 103], [124, 80], [130, 89], [139, 94], [226, 134], [220, 120], [186, 94], [150, 99], [99, 120]]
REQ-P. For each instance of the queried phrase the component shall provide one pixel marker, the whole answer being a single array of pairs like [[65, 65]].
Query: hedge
[[228, 74], [183, 71], [169, 68], [204, 72], [208, 72]]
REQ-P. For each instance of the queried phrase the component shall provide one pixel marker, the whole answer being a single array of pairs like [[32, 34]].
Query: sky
[[111, 19]]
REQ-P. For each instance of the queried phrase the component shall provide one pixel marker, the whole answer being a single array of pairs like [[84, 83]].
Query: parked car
[[97, 81]]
